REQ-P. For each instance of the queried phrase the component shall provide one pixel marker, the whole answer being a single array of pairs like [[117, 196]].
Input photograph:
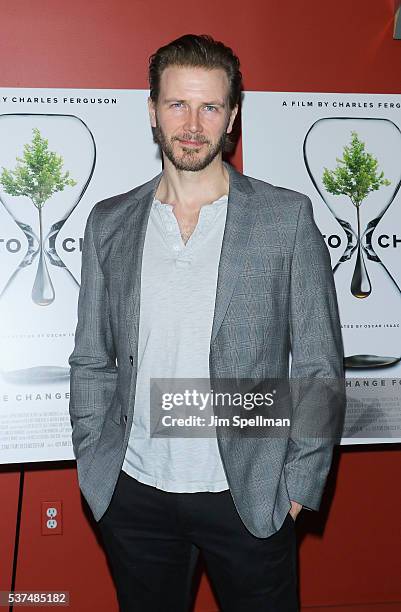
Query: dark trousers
[[149, 535]]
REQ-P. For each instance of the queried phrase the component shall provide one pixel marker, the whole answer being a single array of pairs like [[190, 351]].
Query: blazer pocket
[[270, 263], [257, 285]]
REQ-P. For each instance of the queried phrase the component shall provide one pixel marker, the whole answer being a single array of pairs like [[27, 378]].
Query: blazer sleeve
[[317, 375], [93, 360]]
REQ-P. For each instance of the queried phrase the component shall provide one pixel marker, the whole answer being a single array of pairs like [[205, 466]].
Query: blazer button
[[131, 359]]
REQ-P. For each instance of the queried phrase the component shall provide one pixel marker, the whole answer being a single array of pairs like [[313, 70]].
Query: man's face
[[192, 115]]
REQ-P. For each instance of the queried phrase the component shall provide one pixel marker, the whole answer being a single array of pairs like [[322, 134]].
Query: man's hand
[[295, 509]]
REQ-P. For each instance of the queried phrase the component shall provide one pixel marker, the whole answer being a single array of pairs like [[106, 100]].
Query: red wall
[[349, 551]]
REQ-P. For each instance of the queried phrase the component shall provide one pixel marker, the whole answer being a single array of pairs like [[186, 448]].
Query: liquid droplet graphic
[[42, 291], [360, 284]]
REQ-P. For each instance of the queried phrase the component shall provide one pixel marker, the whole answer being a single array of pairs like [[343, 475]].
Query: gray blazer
[[273, 252]]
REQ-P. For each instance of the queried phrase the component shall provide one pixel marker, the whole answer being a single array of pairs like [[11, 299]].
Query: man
[[202, 272]]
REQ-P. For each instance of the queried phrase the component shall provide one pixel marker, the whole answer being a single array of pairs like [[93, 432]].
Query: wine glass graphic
[[353, 163], [46, 164]]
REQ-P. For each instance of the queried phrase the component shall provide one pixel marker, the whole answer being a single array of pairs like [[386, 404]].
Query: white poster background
[[34, 419], [276, 144]]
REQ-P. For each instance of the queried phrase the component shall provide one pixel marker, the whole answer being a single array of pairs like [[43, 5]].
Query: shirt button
[[176, 247], [131, 359]]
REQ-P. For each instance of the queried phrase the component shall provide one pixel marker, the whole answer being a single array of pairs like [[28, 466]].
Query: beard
[[190, 160]]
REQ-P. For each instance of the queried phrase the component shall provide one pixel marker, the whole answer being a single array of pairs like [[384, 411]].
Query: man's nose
[[192, 123]]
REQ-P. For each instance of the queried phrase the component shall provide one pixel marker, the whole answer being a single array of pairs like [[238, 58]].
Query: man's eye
[[177, 104], [210, 108]]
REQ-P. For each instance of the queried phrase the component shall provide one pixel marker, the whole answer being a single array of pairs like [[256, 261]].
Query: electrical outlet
[[52, 518]]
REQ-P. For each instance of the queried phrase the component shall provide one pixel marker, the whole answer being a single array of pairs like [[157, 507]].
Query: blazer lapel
[[241, 215], [132, 248]]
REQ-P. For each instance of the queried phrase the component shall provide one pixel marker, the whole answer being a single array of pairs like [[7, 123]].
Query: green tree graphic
[[38, 174], [356, 174]]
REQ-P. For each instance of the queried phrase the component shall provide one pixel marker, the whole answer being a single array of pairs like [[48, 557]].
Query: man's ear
[[233, 114], [152, 112]]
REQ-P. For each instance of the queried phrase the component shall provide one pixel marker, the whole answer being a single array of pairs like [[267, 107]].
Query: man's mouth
[[191, 143]]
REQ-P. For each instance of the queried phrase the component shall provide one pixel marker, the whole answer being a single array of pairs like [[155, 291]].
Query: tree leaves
[[38, 174], [356, 174]]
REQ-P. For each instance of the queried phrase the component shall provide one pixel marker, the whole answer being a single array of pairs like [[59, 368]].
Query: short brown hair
[[200, 51]]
